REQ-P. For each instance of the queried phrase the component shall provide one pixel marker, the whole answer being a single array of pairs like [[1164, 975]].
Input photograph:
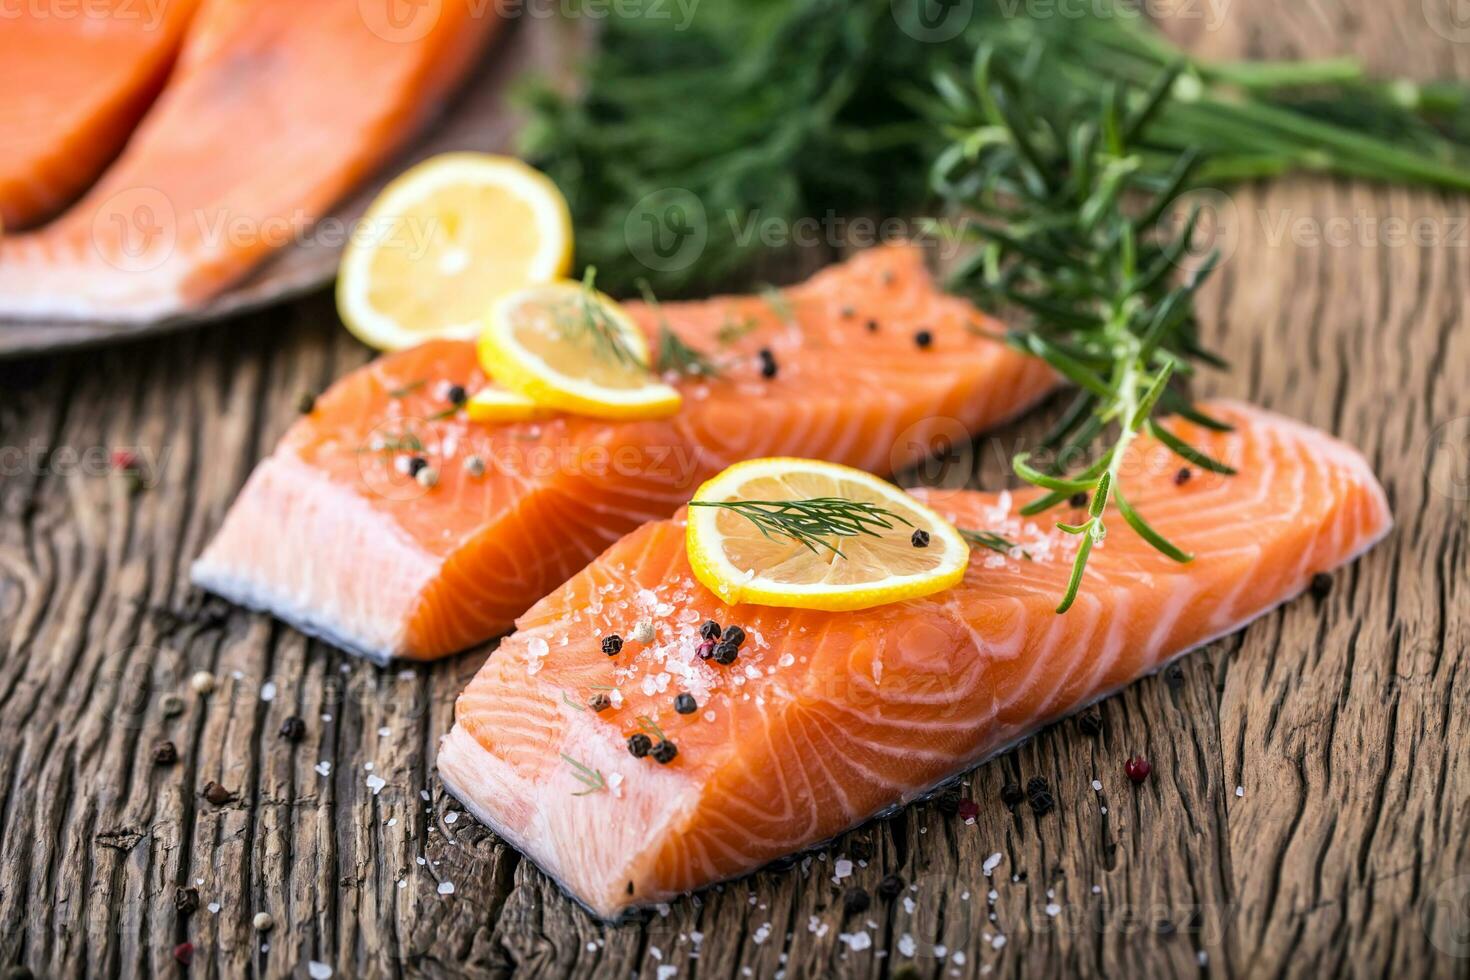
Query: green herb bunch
[[1070, 229]]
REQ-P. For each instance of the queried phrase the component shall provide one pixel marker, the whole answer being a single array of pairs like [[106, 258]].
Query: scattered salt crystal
[[1203, 957], [591, 947], [991, 863], [213, 907], [451, 816], [909, 904], [1097, 785], [842, 868], [1240, 791], [666, 971], [906, 945], [268, 691], [318, 971], [423, 794], [856, 941], [992, 895], [940, 950], [420, 860], [384, 732], [958, 958], [392, 821], [326, 717], [406, 675], [709, 716], [1053, 909], [998, 942], [369, 766], [761, 934], [376, 784], [324, 767], [446, 888]]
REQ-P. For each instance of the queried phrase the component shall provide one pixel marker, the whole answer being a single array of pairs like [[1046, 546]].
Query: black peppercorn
[[890, 886], [165, 754], [872, 326], [664, 752], [734, 634], [710, 630], [1011, 794], [293, 729], [1078, 500], [612, 644], [456, 395], [599, 702], [768, 363], [855, 901], [685, 704], [924, 339], [920, 538], [306, 404], [1038, 794], [1182, 477], [725, 653], [639, 744], [1090, 722], [416, 463], [186, 900], [1321, 585]]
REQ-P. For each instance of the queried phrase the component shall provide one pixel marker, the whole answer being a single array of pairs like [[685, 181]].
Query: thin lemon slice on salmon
[[814, 535], [493, 403], [444, 241], [566, 346]]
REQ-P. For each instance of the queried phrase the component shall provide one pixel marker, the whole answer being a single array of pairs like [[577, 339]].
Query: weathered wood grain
[[1343, 720]]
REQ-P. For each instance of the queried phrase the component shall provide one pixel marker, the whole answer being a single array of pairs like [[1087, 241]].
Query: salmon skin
[[276, 109], [331, 534], [75, 85], [827, 719]]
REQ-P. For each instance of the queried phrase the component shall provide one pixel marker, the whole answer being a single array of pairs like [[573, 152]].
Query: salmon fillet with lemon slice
[[75, 85], [276, 110], [828, 718], [332, 534]]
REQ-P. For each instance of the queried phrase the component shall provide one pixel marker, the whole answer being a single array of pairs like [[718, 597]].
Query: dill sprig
[[1071, 234], [989, 539], [589, 322], [586, 775], [673, 353], [813, 520]]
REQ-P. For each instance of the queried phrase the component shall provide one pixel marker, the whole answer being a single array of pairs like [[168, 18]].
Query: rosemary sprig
[[673, 353], [1069, 232], [589, 323], [811, 521], [989, 539], [586, 775]]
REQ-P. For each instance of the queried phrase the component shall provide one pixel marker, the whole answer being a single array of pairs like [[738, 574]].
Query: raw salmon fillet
[[826, 719], [75, 85], [276, 109], [331, 535]]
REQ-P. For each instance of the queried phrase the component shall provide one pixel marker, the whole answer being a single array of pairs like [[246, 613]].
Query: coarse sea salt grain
[[761, 934], [317, 970], [324, 767], [842, 868], [906, 945], [856, 941], [991, 863], [1097, 784], [1240, 791], [376, 784], [1053, 909], [268, 691], [666, 971], [446, 888], [451, 816]]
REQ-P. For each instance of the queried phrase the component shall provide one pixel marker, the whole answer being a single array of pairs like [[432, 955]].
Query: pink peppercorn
[[184, 953], [968, 810], [706, 649], [1137, 768]]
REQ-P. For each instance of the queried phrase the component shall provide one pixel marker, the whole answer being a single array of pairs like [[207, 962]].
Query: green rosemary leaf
[[1188, 452], [1146, 531], [1037, 478], [989, 539]]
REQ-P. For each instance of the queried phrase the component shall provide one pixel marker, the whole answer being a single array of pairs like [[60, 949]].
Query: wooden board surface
[[479, 117], [1343, 721]]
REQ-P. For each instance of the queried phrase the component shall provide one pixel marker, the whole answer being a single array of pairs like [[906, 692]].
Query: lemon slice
[[496, 404], [566, 346], [443, 242], [759, 560]]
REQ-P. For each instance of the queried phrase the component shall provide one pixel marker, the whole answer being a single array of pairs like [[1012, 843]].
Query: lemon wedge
[[496, 404], [814, 535], [566, 346], [443, 242]]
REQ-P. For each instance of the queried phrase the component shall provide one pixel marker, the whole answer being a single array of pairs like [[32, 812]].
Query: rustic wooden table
[[1310, 812]]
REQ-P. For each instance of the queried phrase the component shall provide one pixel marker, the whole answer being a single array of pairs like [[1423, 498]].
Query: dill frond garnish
[[567, 699], [733, 330], [650, 726], [590, 324], [403, 391], [813, 520], [673, 353], [991, 540], [586, 775]]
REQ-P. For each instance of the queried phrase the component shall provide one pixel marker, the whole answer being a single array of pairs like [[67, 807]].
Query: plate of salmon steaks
[[204, 158]]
